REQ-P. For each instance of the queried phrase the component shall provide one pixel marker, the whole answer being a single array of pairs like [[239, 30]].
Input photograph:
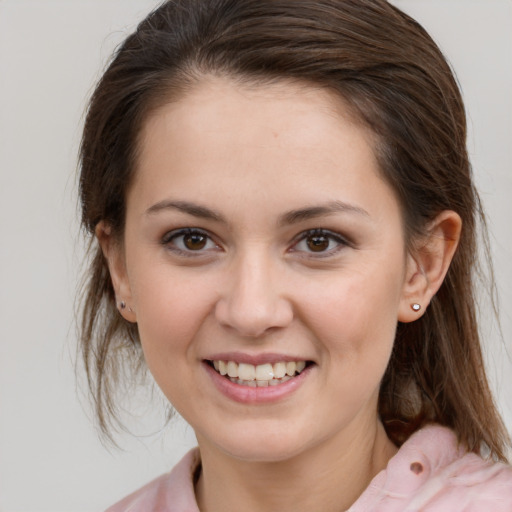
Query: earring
[[416, 307], [122, 304]]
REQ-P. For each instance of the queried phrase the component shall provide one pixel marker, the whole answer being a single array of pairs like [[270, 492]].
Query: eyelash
[[330, 236], [169, 241]]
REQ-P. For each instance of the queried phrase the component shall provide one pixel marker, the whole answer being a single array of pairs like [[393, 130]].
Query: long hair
[[396, 81]]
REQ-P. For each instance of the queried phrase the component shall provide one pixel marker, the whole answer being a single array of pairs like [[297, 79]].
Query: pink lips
[[255, 395]]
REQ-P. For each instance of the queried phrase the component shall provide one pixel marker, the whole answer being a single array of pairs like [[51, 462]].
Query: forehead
[[221, 104], [291, 141], [282, 115]]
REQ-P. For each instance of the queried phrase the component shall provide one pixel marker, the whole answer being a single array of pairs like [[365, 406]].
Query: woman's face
[[259, 234]]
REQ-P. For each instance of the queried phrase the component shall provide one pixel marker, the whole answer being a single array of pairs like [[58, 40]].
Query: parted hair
[[397, 83]]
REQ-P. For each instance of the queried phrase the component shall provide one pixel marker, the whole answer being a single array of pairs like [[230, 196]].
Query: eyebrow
[[291, 217], [313, 212], [186, 207]]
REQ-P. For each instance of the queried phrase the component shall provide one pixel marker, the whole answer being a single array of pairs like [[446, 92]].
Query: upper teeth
[[260, 372]]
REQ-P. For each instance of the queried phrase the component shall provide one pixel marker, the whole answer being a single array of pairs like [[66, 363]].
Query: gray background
[[51, 53]]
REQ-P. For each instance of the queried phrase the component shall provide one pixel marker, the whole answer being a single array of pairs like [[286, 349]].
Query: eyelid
[[341, 240], [169, 236]]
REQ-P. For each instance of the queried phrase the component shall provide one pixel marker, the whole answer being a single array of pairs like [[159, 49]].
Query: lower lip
[[257, 395]]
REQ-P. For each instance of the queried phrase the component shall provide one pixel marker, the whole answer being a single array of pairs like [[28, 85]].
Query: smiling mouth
[[262, 375]]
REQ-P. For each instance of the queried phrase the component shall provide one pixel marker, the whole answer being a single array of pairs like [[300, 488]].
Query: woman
[[286, 227]]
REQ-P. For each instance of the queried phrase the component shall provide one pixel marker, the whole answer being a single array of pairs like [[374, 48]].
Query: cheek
[[170, 312], [356, 314], [171, 307]]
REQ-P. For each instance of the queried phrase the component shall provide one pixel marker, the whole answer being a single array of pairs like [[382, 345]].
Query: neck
[[326, 478]]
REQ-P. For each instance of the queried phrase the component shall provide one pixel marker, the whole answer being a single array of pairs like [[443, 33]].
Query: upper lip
[[255, 359]]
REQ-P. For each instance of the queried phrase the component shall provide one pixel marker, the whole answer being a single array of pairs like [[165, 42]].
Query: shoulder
[[431, 472], [172, 492]]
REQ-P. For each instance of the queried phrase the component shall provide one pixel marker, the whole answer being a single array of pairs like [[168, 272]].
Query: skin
[[252, 155]]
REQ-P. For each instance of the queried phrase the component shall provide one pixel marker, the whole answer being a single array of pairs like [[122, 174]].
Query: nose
[[253, 302]]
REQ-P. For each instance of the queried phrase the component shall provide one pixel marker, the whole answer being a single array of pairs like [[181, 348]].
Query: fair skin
[[293, 251]]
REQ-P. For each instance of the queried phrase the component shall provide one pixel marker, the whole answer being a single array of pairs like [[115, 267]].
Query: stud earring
[[416, 307], [122, 305]]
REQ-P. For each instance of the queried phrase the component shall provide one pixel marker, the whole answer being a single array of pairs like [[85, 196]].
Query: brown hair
[[394, 77]]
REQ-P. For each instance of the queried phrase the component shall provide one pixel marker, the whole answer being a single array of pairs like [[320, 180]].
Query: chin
[[262, 444]]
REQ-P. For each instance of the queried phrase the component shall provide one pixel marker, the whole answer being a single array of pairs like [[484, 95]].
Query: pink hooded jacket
[[429, 473]]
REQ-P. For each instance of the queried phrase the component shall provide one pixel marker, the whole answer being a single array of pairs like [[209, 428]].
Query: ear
[[428, 263], [114, 254]]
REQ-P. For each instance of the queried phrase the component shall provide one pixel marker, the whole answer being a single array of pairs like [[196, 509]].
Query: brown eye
[[188, 241], [317, 243], [195, 241]]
